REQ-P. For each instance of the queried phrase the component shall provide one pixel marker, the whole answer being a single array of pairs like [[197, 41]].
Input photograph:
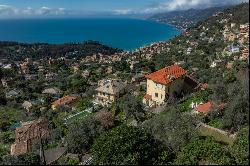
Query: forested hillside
[[19, 51], [206, 123], [187, 18], [229, 85]]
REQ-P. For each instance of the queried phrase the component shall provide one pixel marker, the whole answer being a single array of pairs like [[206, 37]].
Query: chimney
[[172, 77]]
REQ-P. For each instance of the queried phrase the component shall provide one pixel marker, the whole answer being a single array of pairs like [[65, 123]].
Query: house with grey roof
[[109, 91], [27, 105], [52, 91], [13, 93]]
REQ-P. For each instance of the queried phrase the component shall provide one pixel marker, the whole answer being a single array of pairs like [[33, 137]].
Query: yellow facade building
[[163, 84]]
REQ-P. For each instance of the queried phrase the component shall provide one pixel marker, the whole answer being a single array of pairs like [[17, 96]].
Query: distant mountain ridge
[[187, 18]]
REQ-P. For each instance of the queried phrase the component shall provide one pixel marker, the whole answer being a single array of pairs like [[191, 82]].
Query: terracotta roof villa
[[163, 84], [167, 74], [63, 101]]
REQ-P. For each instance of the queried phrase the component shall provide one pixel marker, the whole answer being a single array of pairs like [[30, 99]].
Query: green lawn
[[217, 123], [78, 117], [186, 105]]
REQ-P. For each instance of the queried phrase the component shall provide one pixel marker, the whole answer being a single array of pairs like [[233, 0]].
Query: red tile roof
[[148, 97], [64, 100], [204, 108], [164, 75]]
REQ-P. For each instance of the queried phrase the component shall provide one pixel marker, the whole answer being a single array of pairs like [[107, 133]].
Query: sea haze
[[126, 34]]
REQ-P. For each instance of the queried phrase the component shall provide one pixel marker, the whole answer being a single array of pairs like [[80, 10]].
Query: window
[[161, 96], [156, 94], [157, 85]]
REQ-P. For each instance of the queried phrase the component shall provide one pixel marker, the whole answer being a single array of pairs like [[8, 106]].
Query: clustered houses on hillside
[[239, 36], [228, 35], [146, 52], [109, 91], [166, 84], [48, 80], [244, 33], [244, 54]]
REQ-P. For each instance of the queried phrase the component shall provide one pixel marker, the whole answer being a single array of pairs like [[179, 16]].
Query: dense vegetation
[[126, 132], [239, 13], [187, 18], [202, 151], [124, 145], [20, 51]]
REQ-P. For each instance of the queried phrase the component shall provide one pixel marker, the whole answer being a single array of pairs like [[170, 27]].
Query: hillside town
[[56, 107]]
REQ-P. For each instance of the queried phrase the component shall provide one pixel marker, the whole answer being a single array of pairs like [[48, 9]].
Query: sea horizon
[[127, 34]]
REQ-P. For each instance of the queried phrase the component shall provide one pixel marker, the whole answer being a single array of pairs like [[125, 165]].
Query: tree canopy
[[203, 151], [124, 145], [81, 134], [131, 106], [240, 148], [172, 128]]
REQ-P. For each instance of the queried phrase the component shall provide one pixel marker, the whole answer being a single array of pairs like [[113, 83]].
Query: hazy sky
[[70, 8]]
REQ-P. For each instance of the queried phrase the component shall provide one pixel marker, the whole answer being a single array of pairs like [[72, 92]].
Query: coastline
[[181, 28], [143, 42]]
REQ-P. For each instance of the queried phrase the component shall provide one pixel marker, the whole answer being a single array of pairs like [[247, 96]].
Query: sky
[[76, 8]]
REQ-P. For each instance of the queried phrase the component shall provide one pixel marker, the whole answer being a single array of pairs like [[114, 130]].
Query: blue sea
[[126, 34]]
